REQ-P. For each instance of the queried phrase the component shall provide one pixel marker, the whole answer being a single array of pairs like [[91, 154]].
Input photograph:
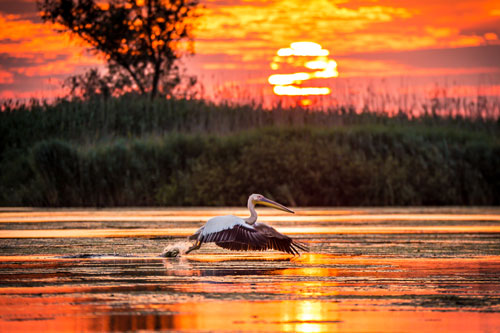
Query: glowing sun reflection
[[309, 316]]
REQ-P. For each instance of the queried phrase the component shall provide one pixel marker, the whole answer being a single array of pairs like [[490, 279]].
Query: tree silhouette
[[141, 40]]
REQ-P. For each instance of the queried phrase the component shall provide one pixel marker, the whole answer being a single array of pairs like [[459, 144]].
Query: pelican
[[234, 233]]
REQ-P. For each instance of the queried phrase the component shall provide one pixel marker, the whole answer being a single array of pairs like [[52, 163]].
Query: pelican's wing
[[231, 232], [278, 241], [239, 237]]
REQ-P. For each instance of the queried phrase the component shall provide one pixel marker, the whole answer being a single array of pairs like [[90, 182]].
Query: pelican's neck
[[253, 214]]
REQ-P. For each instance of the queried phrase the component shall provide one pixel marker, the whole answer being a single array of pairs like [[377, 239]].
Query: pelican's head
[[260, 199]]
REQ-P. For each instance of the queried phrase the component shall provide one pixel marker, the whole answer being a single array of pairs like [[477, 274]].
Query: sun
[[299, 56]]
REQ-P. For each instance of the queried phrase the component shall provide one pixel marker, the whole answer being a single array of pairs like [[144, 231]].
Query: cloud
[[283, 22], [23, 87], [20, 9], [237, 40], [6, 77], [17, 7], [466, 57], [488, 25], [34, 58]]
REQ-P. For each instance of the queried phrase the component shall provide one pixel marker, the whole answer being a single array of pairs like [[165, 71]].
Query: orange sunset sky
[[235, 42]]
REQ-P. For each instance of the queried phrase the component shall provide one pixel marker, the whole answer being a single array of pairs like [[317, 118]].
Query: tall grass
[[132, 116], [131, 151]]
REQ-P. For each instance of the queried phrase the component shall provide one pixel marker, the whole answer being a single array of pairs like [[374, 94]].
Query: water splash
[[176, 249]]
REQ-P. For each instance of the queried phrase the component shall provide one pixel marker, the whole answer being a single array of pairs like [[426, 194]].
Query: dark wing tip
[[301, 246], [238, 238], [261, 238]]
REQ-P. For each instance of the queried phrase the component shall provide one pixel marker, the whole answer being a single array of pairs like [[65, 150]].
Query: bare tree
[[141, 40]]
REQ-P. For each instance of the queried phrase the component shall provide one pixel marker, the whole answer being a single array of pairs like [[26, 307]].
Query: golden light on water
[[302, 55], [364, 265], [309, 317]]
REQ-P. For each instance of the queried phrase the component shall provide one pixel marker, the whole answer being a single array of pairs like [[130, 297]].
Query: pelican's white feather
[[234, 233], [219, 223]]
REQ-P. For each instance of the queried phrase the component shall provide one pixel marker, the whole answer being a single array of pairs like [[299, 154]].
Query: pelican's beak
[[270, 203]]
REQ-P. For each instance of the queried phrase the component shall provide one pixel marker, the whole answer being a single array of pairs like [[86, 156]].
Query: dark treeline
[[136, 152]]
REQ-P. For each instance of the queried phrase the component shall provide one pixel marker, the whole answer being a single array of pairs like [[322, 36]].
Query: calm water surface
[[369, 270]]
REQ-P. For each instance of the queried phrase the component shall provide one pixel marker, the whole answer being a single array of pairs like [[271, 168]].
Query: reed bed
[[131, 151]]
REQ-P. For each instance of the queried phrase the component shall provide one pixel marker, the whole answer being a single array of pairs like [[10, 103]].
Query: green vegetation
[[133, 151]]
